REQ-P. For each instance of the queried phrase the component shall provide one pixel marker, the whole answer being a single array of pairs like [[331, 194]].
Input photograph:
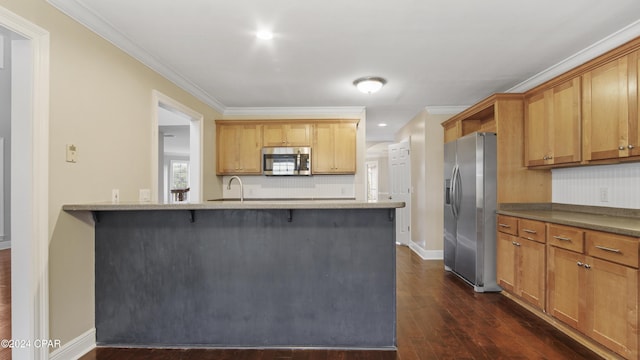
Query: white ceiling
[[432, 52]]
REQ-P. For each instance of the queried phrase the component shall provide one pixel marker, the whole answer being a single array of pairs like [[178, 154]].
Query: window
[[179, 174]]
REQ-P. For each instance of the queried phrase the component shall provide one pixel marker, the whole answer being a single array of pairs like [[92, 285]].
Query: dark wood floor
[[5, 301], [439, 317]]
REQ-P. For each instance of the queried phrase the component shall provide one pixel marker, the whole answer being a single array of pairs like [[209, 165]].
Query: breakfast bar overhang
[[253, 274]]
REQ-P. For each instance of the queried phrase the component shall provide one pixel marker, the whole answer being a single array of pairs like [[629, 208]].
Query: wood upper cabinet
[[610, 128], [521, 260], [334, 147], [552, 125], [239, 148], [291, 134]]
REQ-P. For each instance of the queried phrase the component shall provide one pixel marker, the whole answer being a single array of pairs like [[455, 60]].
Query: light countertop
[[222, 204]]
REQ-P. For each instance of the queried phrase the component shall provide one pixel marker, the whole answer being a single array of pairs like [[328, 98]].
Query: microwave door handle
[[297, 169]]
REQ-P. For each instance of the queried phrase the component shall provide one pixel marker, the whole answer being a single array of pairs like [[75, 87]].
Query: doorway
[[372, 180], [29, 208], [400, 184], [177, 148]]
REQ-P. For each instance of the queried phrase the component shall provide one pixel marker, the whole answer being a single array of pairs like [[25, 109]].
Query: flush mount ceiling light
[[370, 84], [264, 35]]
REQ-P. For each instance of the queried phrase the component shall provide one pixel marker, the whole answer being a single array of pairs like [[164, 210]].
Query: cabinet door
[[531, 272], [298, 134], [565, 130], [274, 135], [536, 127], [634, 115], [506, 261], [227, 148], [612, 306], [565, 278], [606, 111], [345, 148], [250, 149], [322, 153]]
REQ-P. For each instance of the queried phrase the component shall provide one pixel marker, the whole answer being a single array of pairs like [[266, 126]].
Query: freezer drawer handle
[[617, 251], [529, 231], [504, 225], [562, 238]]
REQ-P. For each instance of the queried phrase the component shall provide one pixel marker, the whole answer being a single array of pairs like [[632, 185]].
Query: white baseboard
[[426, 254], [4, 245], [75, 348]]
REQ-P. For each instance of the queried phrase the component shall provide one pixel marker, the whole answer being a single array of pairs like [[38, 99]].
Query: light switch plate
[[145, 195], [72, 153]]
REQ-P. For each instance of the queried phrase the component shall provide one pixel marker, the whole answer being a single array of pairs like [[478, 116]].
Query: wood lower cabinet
[[334, 148], [593, 295], [239, 149], [521, 260]]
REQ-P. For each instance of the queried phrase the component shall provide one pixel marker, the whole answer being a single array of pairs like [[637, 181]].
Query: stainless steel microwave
[[286, 161]]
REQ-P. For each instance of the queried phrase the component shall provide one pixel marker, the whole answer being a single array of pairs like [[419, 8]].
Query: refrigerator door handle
[[455, 205]]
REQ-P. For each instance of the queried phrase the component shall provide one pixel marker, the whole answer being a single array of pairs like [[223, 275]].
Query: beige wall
[[100, 100], [427, 143]]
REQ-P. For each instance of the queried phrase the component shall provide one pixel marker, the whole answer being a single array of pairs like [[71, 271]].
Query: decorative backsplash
[[604, 185], [279, 187]]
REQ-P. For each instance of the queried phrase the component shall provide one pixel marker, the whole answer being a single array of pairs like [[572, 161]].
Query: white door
[[400, 179]]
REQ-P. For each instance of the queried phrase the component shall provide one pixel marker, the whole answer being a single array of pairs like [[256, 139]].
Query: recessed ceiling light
[[382, 124], [264, 35], [369, 84]]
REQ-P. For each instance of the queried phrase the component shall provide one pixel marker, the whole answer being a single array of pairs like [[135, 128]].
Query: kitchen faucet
[[241, 190]]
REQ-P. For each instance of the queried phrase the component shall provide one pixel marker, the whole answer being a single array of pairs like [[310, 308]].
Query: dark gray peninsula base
[[242, 277]]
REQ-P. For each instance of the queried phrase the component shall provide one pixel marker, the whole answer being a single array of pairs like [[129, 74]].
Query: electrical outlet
[[115, 195], [604, 194], [145, 195]]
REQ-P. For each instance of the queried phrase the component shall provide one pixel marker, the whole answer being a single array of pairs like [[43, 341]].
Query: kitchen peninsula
[[301, 273]]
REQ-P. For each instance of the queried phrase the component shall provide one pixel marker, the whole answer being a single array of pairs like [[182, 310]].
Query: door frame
[[196, 138], [30, 195]]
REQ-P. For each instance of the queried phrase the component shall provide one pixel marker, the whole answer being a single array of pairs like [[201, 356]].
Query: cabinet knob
[[620, 147], [587, 266], [630, 146], [580, 263]]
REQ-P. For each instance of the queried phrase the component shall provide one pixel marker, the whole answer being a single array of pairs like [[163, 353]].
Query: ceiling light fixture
[[370, 84], [382, 124], [264, 35]]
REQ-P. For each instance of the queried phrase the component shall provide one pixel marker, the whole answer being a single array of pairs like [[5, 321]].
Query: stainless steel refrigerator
[[470, 210]]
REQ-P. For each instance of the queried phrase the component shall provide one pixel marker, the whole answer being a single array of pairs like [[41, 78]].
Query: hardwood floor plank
[[440, 317]]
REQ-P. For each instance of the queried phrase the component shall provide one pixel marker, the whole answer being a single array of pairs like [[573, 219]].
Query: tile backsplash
[[270, 187], [604, 185]]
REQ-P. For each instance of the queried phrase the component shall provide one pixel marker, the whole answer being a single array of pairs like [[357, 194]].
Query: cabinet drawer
[[532, 230], [566, 237], [617, 248], [508, 224]]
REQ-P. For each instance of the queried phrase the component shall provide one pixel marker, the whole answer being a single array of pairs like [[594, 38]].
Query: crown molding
[[293, 110], [80, 13], [610, 42], [445, 110]]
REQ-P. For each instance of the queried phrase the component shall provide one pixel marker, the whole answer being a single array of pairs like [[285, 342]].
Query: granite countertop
[[613, 220], [222, 204]]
